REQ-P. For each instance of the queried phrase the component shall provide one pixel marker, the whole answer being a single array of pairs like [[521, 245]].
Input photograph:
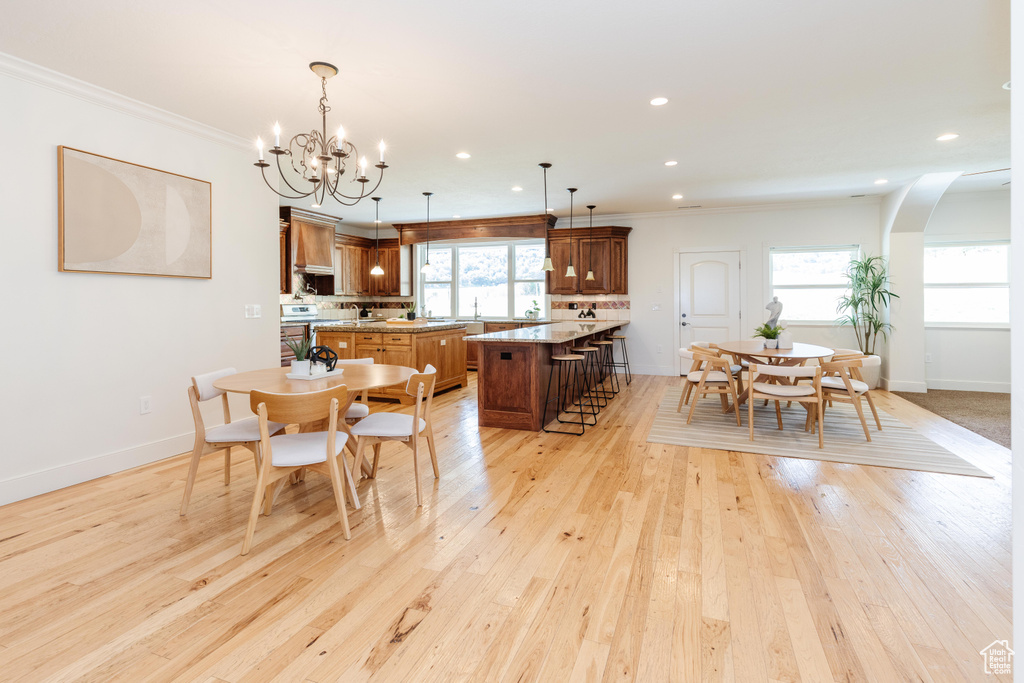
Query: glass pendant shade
[[426, 263], [377, 270], [426, 266], [548, 265], [590, 275], [570, 271]]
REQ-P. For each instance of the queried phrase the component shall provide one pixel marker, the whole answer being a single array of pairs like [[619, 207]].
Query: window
[[967, 283], [809, 280], [493, 279]]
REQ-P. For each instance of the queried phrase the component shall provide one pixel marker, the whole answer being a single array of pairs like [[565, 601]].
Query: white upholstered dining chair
[[220, 437], [792, 391], [287, 453], [843, 382], [384, 426], [357, 411], [708, 374]]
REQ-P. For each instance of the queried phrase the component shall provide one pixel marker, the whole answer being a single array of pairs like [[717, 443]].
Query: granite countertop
[[383, 326], [541, 321], [554, 333]]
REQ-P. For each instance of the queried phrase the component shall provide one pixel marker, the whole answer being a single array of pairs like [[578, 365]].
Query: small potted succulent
[[410, 308], [533, 313], [770, 334], [300, 347]]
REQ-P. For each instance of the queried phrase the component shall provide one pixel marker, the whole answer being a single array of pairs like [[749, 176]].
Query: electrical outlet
[[927, 358], [658, 348], [593, 306], [253, 311], [655, 307], [443, 342], [145, 405], [573, 305], [342, 345]]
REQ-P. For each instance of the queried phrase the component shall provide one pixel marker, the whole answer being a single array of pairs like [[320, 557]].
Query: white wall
[[657, 238], [964, 216], [79, 350]]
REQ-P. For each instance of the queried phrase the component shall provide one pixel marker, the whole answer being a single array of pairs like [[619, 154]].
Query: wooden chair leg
[[778, 413], [871, 404], [339, 493], [433, 454], [821, 425], [358, 464], [682, 397], [353, 495], [750, 413], [193, 467], [860, 413], [697, 393], [227, 466], [725, 402], [376, 459], [414, 444], [254, 511]]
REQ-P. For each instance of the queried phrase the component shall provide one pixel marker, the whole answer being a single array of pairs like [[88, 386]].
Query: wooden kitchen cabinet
[[342, 343], [445, 350], [608, 259], [390, 283], [285, 259], [294, 333]]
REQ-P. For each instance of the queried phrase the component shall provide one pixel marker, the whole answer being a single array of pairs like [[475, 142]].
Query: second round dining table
[[754, 353]]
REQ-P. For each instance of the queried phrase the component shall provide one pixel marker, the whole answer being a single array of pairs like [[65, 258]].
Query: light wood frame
[[792, 373], [706, 362], [848, 369]]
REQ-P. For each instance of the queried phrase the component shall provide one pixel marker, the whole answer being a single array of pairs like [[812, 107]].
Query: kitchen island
[[514, 367], [414, 345]]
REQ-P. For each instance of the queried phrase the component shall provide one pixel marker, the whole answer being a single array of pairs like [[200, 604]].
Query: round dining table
[[358, 377], [754, 353]]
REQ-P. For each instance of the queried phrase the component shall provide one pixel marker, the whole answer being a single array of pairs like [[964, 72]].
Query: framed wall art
[[122, 218]]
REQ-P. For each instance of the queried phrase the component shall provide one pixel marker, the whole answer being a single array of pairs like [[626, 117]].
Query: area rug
[[984, 413], [897, 445]]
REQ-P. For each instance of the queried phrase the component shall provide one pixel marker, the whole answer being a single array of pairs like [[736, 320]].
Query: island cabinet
[[604, 251], [473, 348], [444, 349]]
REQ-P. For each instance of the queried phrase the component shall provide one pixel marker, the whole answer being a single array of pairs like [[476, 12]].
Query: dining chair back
[[783, 385], [288, 453], [384, 426], [219, 437], [844, 382], [709, 374]]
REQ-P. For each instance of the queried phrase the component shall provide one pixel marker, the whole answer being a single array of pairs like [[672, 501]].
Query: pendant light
[[570, 271], [376, 270], [590, 244], [426, 264], [547, 245]]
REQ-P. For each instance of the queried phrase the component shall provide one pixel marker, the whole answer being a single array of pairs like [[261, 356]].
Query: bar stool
[[596, 393], [624, 363], [607, 364], [575, 374]]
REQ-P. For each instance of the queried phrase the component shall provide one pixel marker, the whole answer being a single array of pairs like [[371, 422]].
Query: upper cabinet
[[356, 257], [604, 250], [312, 240]]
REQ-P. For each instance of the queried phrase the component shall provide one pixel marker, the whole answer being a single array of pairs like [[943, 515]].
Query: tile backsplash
[[609, 306]]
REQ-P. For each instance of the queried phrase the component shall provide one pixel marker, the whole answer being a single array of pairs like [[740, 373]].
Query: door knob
[[684, 323]]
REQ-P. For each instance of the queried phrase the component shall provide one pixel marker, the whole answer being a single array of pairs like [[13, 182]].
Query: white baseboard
[[69, 474], [652, 370], [966, 385], [903, 385]]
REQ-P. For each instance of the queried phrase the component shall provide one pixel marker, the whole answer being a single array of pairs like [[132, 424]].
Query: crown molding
[[67, 85], [744, 208]]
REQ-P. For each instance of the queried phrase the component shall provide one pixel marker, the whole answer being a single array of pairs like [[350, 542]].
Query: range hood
[[314, 248]]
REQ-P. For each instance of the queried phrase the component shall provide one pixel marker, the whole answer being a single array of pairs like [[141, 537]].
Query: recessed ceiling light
[[677, 196], [456, 216], [463, 155], [658, 101], [1006, 86], [671, 163], [517, 189], [948, 136], [881, 181]]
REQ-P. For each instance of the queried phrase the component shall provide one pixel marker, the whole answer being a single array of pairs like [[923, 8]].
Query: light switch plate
[[253, 311], [655, 307]]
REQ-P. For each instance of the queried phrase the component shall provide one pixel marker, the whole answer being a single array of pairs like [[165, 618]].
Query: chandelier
[[318, 163]]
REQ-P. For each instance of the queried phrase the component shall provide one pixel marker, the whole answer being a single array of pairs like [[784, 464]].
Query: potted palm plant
[[864, 305], [770, 334], [300, 347]]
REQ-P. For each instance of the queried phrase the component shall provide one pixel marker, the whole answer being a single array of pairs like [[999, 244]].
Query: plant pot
[[364, 313], [771, 343], [531, 314], [411, 315], [300, 367], [871, 374]]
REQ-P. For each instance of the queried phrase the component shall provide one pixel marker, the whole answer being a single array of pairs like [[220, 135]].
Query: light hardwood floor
[[535, 557]]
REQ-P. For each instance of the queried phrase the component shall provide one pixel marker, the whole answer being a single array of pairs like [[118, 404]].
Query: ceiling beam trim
[[504, 227]]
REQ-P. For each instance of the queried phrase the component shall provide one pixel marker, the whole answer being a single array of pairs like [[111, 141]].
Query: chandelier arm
[[283, 177], [339, 193], [263, 172]]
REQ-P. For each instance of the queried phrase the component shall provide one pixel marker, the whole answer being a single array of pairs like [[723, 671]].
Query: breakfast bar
[[514, 367]]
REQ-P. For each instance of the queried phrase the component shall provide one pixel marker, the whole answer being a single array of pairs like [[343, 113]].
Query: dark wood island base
[[514, 367]]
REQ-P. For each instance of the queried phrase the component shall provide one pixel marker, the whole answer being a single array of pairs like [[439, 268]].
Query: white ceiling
[[769, 102]]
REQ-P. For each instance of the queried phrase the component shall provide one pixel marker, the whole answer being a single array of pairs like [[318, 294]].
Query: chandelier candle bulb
[[277, 135], [259, 146], [382, 148], [362, 167]]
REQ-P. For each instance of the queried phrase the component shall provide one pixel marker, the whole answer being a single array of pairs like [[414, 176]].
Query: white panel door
[[709, 296]]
